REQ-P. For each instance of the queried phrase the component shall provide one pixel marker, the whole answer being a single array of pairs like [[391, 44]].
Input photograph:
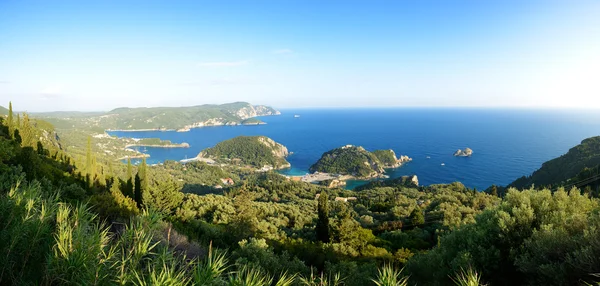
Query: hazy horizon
[[78, 56]]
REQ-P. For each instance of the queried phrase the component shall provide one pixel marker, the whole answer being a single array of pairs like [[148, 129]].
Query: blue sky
[[99, 55]]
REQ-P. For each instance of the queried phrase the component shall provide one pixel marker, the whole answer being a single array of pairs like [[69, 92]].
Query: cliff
[[389, 160], [258, 152]]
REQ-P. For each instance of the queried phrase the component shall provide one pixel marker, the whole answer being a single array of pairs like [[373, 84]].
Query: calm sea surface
[[507, 144]]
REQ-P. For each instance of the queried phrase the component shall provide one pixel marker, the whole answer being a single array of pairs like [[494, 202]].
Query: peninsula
[[165, 118], [354, 162], [256, 152]]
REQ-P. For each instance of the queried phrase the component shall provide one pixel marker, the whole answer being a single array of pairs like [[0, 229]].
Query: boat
[[296, 116], [428, 157], [443, 164]]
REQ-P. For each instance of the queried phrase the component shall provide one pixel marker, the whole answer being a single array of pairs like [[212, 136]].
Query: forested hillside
[[255, 151], [565, 167], [65, 222], [349, 160], [181, 118]]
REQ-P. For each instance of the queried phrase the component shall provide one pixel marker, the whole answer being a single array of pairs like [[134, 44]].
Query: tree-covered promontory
[[255, 151], [559, 170], [357, 162]]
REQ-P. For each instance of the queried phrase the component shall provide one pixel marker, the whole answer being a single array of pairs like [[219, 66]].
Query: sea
[[506, 143]]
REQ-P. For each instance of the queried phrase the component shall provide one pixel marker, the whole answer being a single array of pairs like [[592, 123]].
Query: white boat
[[296, 115], [428, 157], [443, 164]]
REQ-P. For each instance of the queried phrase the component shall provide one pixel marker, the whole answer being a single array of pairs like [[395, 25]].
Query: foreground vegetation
[[83, 222]]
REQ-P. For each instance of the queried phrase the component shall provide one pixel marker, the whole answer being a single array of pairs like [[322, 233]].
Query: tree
[[27, 132], [90, 168], [322, 228], [494, 191], [165, 197], [416, 217], [129, 185], [10, 121], [138, 191], [143, 172]]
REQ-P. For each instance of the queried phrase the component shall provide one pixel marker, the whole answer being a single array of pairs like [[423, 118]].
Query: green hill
[[255, 151], [557, 171], [179, 118], [3, 110], [349, 160]]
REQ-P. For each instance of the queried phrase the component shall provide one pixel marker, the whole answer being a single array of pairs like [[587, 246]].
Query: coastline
[[190, 127], [180, 145]]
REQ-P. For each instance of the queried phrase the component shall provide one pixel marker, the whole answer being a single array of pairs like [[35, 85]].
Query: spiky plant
[[163, 275], [468, 277], [25, 233], [210, 271], [249, 276], [390, 276], [285, 279], [321, 280]]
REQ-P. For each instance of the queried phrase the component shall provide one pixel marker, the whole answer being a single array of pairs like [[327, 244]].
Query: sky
[[99, 55]]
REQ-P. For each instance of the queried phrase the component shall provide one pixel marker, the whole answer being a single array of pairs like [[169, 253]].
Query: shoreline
[[181, 145], [186, 129]]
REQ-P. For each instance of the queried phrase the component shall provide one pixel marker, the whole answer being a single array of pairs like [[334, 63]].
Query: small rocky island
[[467, 152], [355, 162], [257, 152]]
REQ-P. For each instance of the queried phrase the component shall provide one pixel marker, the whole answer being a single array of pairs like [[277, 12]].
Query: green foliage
[[389, 276], [322, 228], [386, 157], [348, 160], [255, 151], [534, 237], [467, 278]]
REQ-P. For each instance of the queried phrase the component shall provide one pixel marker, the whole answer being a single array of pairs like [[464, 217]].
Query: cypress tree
[[138, 190], [89, 162], [27, 132], [141, 183], [143, 171], [129, 186], [10, 123], [322, 229]]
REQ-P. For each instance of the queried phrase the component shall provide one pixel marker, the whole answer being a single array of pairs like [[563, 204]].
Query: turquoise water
[[507, 144]]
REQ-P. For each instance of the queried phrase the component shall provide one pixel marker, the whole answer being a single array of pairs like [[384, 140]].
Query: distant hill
[[157, 118], [356, 161], [559, 170], [255, 151], [3, 111]]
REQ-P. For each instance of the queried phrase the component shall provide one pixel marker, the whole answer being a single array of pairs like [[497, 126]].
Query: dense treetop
[[349, 160], [255, 151]]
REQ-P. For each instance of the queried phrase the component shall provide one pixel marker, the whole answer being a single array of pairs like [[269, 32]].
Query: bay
[[507, 143]]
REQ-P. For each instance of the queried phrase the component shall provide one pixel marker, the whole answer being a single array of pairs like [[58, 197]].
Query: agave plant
[[249, 276], [467, 277], [210, 271], [321, 280], [285, 279], [389, 276]]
